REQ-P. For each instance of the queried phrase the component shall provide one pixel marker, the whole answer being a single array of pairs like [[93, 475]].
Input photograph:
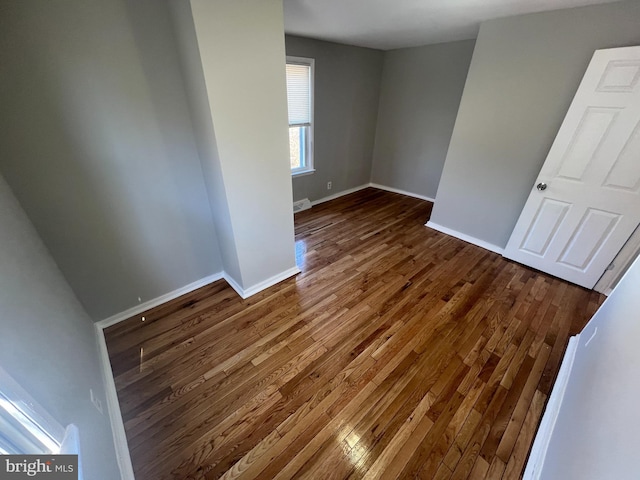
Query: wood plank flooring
[[398, 352]]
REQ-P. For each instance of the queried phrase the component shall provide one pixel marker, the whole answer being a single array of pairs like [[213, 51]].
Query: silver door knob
[[541, 186]]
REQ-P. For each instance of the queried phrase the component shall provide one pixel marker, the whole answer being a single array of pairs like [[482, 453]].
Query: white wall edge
[[154, 302], [401, 192], [233, 284], [258, 287], [540, 446], [113, 407], [340, 194], [466, 238]]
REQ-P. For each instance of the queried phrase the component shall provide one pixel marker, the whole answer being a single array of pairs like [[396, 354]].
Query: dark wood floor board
[[523, 444], [338, 428], [509, 437], [381, 432], [397, 352], [197, 363], [213, 304], [216, 416], [422, 453], [215, 399], [466, 462], [178, 307]]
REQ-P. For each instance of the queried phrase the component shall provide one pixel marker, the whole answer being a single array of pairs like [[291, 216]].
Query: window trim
[[18, 403], [309, 167]]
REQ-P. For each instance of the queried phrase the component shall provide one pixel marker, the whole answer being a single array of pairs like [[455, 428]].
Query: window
[[300, 106], [26, 428]]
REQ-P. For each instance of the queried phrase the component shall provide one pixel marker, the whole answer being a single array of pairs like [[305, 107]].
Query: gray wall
[[596, 433], [48, 342], [523, 75], [347, 89], [419, 99], [98, 146]]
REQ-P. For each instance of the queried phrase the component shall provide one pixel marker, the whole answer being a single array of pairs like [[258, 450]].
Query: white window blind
[[299, 94]]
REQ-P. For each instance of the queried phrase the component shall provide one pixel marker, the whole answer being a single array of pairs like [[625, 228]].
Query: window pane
[[25, 428], [296, 147], [20, 434]]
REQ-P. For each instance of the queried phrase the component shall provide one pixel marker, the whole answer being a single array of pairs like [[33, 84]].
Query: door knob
[[541, 186]]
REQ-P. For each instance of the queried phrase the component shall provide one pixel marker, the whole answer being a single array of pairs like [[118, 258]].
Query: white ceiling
[[389, 24]]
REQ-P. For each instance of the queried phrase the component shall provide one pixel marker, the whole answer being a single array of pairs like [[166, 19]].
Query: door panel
[[625, 175], [545, 226], [590, 134], [592, 232], [620, 76], [575, 226]]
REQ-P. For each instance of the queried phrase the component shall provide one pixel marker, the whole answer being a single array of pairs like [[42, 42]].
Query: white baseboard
[[154, 302], [167, 297], [340, 194], [258, 287], [535, 463], [401, 192], [373, 185], [233, 284], [467, 238], [113, 408]]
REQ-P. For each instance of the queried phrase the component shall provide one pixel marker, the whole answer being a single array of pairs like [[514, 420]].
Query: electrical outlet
[[328, 185], [96, 401]]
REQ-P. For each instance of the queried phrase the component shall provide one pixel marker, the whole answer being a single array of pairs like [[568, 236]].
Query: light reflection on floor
[[301, 251]]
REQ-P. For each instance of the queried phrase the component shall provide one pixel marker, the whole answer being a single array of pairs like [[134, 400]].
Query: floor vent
[[301, 205]]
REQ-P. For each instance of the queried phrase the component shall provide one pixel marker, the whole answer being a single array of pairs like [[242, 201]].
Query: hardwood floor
[[398, 352]]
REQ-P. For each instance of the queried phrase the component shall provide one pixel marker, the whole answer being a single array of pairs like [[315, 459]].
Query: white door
[[586, 201]]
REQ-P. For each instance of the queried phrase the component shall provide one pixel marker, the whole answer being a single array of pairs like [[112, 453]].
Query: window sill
[[302, 173]]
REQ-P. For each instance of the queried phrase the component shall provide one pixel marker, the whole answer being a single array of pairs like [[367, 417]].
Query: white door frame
[[620, 264]]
